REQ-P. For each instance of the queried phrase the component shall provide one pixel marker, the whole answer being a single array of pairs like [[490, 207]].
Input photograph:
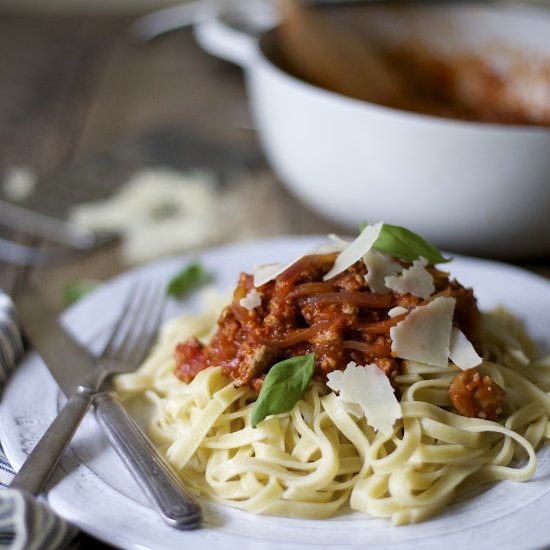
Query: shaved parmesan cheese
[[379, 266], [462, 353], [251, 300], [369, 388], [329, 248], [415, 280], [338, 240], [266, 272], [425, 333], [395, 311], [355, 250]]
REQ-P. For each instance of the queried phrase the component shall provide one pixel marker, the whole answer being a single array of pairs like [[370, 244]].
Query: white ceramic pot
[[477, 188]]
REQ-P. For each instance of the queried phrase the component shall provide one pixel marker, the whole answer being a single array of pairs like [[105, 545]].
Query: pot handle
[[229, 30]]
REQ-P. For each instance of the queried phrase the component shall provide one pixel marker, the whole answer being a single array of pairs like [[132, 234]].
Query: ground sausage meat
[[475, 395], [339, 320]]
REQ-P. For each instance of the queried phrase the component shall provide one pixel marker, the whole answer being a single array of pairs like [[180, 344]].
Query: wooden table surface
[[81, 91]]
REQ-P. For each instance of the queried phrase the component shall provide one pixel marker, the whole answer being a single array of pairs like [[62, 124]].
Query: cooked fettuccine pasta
[[452, 427]]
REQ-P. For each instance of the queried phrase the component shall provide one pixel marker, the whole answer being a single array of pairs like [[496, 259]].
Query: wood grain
[[84, 103]]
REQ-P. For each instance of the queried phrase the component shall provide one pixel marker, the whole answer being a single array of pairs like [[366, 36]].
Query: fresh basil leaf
[[72, 292], [191, 277], [403, 243], [284, 384]]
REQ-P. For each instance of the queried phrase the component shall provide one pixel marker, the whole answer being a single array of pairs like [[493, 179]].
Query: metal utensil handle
[[40, 464], [150, 469]]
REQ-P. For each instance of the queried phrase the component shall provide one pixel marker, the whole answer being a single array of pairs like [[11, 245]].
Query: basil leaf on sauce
[[189, 278], [284, 384], [405, 244]]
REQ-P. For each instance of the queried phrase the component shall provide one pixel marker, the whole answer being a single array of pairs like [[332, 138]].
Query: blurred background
[[145, 138], [88, 108]]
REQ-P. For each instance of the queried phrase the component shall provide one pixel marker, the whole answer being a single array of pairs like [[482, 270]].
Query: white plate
[[93, 489]]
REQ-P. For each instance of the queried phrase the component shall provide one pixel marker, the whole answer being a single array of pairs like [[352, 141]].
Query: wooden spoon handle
[[333, 57]]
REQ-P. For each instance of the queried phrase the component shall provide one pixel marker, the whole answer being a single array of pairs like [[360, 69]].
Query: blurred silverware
[[84, 380], [74, 240]]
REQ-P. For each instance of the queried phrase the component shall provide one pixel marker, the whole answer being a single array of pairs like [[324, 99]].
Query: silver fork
[[130, 340], [65, 241]]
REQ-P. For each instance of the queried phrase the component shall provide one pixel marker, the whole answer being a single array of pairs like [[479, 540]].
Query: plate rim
[[75, 311]]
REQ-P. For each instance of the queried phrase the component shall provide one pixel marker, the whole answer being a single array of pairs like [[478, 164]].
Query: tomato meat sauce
[[339, 320]]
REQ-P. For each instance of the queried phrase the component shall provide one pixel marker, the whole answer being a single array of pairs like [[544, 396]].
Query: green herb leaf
[[284, 384], [191, 277], [72, 292], [402, 243]]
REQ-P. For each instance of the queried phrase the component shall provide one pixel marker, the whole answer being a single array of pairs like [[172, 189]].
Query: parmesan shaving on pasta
[[251, 300], [396, 311], [370, 388], [355, 250], [267, 272], [415, 280], [425, 333], [462, 353], [379, 267]]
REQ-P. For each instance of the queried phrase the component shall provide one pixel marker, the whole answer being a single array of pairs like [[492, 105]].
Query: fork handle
[[40, 464], [150, 469]]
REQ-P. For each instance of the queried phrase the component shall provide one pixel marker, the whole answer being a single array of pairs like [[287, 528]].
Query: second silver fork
[[125, 350]]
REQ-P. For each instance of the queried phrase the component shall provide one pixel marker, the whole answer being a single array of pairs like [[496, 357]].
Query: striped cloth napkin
[[25, 523]]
